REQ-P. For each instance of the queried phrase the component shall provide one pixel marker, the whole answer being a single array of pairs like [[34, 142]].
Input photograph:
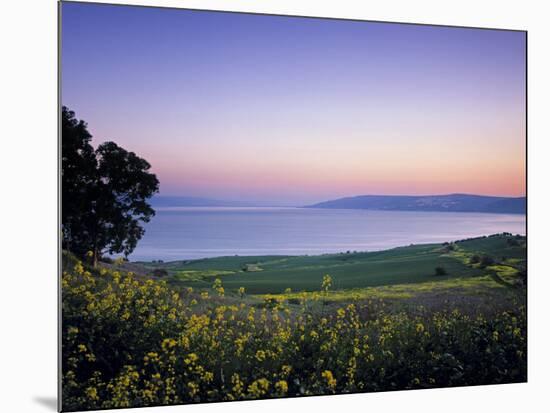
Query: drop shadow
[[48, 402]]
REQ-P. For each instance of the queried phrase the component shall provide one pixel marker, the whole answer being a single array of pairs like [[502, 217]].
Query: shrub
[[271, 302], [475, 259], [486, 261], [440, 271], [160, 272]]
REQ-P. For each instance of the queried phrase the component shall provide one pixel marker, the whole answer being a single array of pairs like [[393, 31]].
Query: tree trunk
[[95, 258]]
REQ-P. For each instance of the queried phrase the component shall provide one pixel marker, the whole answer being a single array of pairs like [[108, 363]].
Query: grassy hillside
[[134, 340], [384, 321], [404, 265]]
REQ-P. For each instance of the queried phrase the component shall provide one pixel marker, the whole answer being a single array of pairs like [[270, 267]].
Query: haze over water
[[180, 233]]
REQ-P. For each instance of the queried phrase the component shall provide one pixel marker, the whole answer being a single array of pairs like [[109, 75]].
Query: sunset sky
[[296, 110]]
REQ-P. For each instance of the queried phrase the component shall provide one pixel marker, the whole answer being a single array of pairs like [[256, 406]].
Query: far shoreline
[[276, 207]]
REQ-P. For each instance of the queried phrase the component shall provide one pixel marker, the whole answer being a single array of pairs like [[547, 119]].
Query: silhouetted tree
[[104, 193], [78, 166]]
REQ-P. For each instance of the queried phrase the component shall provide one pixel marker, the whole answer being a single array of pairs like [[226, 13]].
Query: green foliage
[[327, 283], [448, 247], [131, 343], [217, 286]]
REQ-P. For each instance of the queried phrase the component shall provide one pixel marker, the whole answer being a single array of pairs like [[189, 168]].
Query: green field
[[404, 265]]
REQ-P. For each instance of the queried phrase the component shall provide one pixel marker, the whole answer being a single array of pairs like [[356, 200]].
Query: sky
[[289, 110]]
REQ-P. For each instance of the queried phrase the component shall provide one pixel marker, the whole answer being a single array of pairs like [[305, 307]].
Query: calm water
[[191, 232]]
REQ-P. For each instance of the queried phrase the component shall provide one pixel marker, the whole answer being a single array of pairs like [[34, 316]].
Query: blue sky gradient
[[298, 110]]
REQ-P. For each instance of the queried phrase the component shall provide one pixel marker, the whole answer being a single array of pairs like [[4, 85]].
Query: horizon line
[[353, 196], [252, 202]]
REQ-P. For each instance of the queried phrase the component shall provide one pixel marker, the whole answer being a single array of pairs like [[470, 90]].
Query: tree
[[105, 193], [78, 165]]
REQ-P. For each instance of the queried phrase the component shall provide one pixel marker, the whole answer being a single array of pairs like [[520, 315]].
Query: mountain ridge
[[436, 203]]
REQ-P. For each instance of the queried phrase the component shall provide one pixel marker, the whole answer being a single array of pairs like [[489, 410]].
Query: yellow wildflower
[[329, 378], [282, 387]]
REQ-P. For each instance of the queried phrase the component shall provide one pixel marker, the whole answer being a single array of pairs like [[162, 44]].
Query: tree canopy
[[105, 193]]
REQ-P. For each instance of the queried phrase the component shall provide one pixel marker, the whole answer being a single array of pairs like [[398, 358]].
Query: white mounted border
[[28, 162]]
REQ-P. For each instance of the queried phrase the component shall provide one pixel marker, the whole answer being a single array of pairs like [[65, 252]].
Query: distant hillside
[[187, 201], [445, 203]]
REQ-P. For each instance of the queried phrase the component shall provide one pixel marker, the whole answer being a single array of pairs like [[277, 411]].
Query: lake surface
[[179, 233]]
